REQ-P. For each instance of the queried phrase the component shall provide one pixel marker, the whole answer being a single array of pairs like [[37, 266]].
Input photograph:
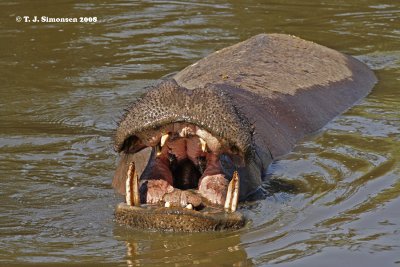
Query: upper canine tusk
[[203, 145], [164, 139], [132, 186]]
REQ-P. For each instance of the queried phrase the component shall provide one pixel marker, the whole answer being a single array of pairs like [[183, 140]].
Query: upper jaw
[[157, 138], [167, 103]]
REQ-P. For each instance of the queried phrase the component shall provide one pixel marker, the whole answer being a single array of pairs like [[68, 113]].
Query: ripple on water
[[64, 86], [344, 174]]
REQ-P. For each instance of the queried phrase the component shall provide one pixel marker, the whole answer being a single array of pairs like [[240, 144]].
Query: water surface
[[63, 87]]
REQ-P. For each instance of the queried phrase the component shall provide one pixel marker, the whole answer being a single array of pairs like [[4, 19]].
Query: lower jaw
[[162, 216], [177, 219]]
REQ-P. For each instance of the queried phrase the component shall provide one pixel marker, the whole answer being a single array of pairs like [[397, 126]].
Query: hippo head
[[185, 151]]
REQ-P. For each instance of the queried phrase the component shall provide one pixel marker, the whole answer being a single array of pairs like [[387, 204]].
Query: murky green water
[[64, 85]]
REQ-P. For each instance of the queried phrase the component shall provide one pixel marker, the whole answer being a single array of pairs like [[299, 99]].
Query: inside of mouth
[[186, 173], [180, 161], [188, 165]]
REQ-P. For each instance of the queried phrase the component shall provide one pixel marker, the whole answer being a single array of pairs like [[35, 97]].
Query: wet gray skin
[[249, 103]]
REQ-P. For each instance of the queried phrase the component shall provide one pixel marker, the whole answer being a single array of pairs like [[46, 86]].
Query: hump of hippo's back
[[287, 86]]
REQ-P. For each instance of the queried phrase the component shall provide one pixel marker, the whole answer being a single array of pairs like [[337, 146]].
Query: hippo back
[[286, 86]]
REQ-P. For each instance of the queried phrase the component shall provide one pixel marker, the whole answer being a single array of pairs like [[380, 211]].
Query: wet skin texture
[[249, 103]]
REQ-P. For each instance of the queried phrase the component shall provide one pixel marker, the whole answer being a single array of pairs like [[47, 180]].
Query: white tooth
[[132, 186], [135, 187], [212, 143], [184, 132], [235, 197], [158, 150], [228, 199], [203, 145], [167, 204], [128, 191], [164, 139], [189, 206], [232, 196]]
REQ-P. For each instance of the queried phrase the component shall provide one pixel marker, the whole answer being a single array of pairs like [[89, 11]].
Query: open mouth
[[187, 168]]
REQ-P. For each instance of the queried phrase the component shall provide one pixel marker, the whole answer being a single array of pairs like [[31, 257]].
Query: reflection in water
[[191, 249], [63, 87]]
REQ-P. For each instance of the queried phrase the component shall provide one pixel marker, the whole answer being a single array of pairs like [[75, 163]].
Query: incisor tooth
[[167, 204], [203, 145], [189, 206], [164, 139], [183, 132]]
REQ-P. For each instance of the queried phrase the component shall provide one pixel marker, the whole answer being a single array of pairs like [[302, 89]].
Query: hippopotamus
[[199, 142]]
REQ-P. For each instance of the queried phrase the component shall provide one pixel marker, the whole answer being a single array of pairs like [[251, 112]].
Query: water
[[63, 86]]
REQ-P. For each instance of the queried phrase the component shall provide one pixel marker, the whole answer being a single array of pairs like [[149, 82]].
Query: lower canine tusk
[[232, 196], [132, 186]]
